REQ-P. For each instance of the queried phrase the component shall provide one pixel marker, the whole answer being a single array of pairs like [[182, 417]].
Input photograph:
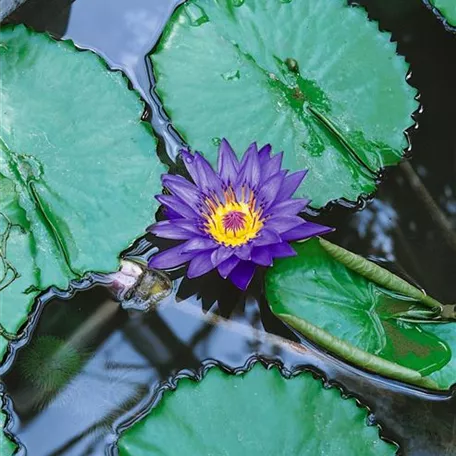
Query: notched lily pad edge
[[28, 327], [363, 199], [171, 385], [26, 331], [440, 16], [6, 431], [73, 284]]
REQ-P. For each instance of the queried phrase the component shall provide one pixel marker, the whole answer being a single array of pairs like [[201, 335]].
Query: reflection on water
[[115, 365], [100, 367]]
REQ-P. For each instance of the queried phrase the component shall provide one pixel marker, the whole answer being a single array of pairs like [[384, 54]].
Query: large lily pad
[[315, 288], [78, 168], [258, 413], [293, 74], [447, 9]]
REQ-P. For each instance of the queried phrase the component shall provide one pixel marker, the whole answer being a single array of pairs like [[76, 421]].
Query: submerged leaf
[[318, 290], [292, 74], [257, 413], [78, 168]]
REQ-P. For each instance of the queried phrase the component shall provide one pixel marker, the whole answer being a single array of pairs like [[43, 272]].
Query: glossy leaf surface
[[78, 168], [257, 413], [446, 376], [447, 9], [293, 74], [313, 286]]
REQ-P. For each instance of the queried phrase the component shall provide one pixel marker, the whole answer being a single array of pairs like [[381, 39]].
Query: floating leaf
[[78, 168], [446, 376], [447, 9], [258, 413], [353, 316], [293, 74]]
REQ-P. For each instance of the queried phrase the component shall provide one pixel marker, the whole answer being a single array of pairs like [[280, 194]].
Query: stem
[[377, 274], [431, 206], [356, 356]]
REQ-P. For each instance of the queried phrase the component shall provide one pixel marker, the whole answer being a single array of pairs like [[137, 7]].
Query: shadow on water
[[99, 368]]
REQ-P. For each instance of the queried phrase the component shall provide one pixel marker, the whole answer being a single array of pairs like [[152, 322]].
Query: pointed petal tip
[[187, 156], [242, 274]]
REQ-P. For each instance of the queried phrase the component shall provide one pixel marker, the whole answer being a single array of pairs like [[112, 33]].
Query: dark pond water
[[115, 363]]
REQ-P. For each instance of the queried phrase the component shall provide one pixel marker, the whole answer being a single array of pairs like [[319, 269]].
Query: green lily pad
[[314, 292], [293, 74], [257, 413], [447, 9], [7, 447], [78, 168], [446, 376]]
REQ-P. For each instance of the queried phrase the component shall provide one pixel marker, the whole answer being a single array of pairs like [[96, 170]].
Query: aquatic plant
[[234, 220]]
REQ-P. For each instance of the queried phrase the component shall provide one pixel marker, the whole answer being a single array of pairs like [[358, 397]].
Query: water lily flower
[[234, 220]]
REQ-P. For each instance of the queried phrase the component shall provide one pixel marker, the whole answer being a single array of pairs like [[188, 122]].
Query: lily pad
[[258, 413], [78, 168], [447, 9], [292, 74], [446, 376], [7, 447], [316, 290]]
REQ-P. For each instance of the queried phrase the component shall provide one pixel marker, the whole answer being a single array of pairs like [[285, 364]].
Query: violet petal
[[290, 184], [242, 274], [264, 154], [268, 192], [266, 237], [200, 265], [170, 230], [183, 189], [190, 163], [262, 256], [305, 231], [282, 250], [228, 164], [199, 244], [208, 179], [170, 258], [285, 223], [221, 254], [243, 251], [177, 205], [249, 173], [227, 266], [185, 224], [288, 207], [272, 167]]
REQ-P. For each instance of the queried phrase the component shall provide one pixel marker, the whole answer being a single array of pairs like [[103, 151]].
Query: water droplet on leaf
[[233, 75], [196, 15]]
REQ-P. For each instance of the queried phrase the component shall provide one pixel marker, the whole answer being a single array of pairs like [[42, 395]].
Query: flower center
[[232, 223]]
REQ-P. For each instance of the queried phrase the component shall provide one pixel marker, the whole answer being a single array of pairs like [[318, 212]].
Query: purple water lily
[[234, 220]]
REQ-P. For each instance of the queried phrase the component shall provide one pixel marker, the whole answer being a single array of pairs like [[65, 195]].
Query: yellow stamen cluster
[[247, 217]]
